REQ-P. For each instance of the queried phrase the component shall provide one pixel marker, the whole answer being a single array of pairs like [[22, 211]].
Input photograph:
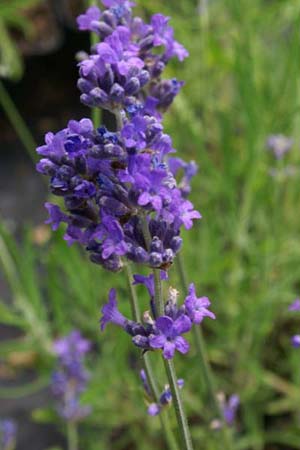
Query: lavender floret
[[197, 307], [295, 306]]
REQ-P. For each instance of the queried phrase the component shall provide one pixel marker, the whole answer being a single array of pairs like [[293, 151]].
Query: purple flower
[[279, 144], [164, 35], [230, 409], [71, 346], [169, 338], [108, 180], [189, 169], [88, 21], [197, 307], [188, 214], [8, 431], [70, 377], [112, 3], [145, 383], [295, 306], [165, 92], [154, 409], [296, 340], [148, 281], [125, 63], [113, 237], [110, 312], [56, 216], [133, 133]]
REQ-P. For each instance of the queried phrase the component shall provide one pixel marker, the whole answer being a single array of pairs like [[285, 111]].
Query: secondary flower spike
[[229, 408], [70, 377], [8, 431]]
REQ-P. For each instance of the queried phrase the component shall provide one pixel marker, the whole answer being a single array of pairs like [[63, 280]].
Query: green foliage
[[242, 84], [12, 15]]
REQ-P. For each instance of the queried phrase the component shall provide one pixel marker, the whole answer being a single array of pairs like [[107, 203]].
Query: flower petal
[[181, 345], [164, 324], [182, 325], [157, 341], [169, 350]]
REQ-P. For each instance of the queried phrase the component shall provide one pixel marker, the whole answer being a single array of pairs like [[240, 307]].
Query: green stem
[[178, 405], [72, 436], [119, 120], [157, 281], [164, 420], [158, 292], [169, 367], [17, 122], [133, 297], [171, 374], [204, 362]]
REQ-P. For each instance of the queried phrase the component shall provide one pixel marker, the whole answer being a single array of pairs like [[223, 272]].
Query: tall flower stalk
[[123, 198]]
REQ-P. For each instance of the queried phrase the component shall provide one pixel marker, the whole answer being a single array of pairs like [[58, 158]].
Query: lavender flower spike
[[197, 308], [70, 377], [8, 432]]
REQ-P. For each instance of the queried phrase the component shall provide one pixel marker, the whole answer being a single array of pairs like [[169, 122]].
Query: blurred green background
[[242, 85]]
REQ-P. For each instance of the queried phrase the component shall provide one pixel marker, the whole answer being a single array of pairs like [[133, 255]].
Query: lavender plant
[[8, 431], [121, 198], [69, 380]]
